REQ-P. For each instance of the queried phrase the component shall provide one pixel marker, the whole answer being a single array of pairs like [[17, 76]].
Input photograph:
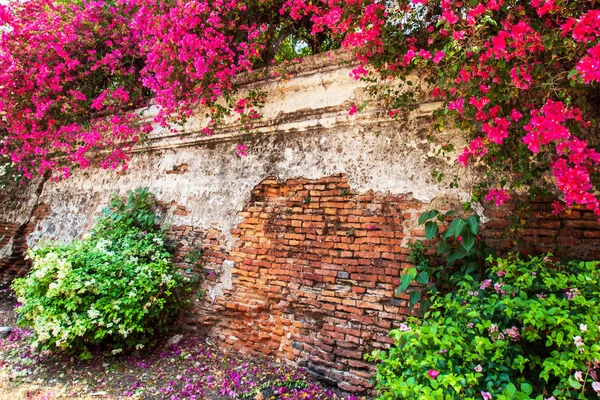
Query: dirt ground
[[192, 369]]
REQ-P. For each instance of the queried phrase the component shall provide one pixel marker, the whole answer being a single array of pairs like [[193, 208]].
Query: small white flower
[[478, 368], [579, 376], [596, 387], [578, 341], [583, 327]]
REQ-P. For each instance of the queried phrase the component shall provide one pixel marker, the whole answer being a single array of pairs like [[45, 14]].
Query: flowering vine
[[519, 77]]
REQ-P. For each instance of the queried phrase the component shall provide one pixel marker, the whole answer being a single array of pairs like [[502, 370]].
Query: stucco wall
[[306, 236], [305, 132]]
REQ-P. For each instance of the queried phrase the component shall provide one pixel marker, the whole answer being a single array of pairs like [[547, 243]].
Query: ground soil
[[194, 368]]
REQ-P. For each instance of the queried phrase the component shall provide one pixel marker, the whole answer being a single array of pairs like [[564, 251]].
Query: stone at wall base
[[5, 331], [175, 339]]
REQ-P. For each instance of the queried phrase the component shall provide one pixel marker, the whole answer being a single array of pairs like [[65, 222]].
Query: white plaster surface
[[306, 132]]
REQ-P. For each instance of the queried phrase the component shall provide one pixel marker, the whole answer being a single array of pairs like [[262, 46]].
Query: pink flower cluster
[[71, 73], [54, 96], [476, 148], [498, 196]]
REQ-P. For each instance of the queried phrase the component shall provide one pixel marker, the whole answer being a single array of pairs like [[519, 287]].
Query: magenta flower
[[433, 373], [499, 196], [486, 395], [241, 150], [438, 57], [485, 284]]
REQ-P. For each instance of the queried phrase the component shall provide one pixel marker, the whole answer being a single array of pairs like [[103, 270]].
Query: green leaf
[[526, 388], [574, 383], [425, 305], [471, 267], [443, 247], [454, 257], [415, 297], [423, 278], [427, 215], [406, 279], [468, 241], [473, 222], [456, 228], [510, 390], [431, 229]]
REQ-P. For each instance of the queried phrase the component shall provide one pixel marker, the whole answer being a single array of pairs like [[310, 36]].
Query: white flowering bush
[[530, 329], [117, 286]]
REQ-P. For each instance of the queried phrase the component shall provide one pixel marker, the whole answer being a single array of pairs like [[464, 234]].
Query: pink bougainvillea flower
[[498, 196], [513, 333], [241, 150], [485, 284], [486, 395], [438, 57], [433, 373], [458, 35]]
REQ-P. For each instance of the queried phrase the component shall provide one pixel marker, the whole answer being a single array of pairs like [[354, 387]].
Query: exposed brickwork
[[203, 312], [536, 230], [15, 236], [315, 267]]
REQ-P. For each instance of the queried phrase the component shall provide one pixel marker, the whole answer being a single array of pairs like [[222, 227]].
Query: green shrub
[[529, 331], [116, 286], [459, 252]]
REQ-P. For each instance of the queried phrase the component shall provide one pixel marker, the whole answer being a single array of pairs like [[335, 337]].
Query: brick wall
[[312, 275], [533, 228], [316, 267], [14, 236]]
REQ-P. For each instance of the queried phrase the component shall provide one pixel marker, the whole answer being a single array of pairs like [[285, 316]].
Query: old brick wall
[[21, 210], [305, 238], [316, 268], [317, 265], [533, 229]]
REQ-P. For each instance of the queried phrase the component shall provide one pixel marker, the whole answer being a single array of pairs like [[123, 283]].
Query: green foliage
[[458, 247], [117, 286], [529, 331], [195, 258], [292, 47], [9, 173], [137, 211]]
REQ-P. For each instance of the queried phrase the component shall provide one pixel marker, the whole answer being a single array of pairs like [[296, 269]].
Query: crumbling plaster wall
[[305, 237], [306, 132]]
